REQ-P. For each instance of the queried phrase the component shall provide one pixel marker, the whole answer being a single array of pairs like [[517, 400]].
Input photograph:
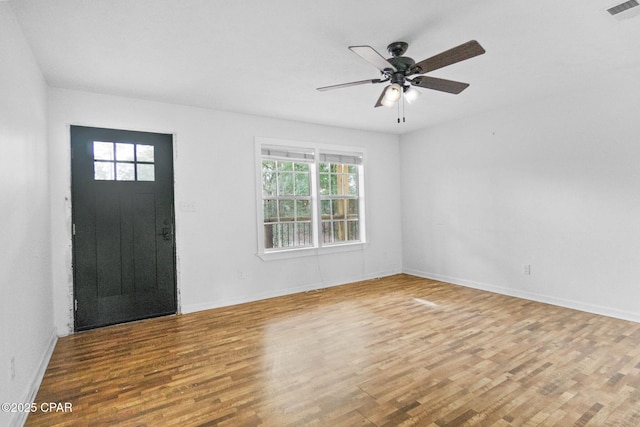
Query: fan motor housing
[[402, 63]]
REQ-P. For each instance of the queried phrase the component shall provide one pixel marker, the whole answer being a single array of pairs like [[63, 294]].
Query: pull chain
[[403, 120]]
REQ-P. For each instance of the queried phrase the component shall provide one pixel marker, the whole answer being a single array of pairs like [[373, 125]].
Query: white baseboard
[[21, 417], [191, 308], [518, 293]]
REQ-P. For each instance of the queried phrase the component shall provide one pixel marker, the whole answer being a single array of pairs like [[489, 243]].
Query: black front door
[[123, 228]]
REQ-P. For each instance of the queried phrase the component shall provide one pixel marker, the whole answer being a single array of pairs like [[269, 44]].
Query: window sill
[[303, 252]]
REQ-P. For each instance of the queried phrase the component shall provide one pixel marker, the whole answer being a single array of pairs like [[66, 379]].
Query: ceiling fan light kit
[[411, 94], [391, 95], [398, 70]]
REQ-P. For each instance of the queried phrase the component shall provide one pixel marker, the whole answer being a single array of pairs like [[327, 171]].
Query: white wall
[[553, 183], [214, 168], [27, 335]]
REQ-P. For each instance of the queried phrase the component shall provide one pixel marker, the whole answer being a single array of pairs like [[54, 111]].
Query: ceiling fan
[[399, 69]]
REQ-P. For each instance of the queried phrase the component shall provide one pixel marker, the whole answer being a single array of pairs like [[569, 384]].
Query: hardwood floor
[[398, 351]]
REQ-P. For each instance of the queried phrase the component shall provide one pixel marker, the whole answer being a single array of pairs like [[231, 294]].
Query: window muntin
[[311, 197], [119, 161]]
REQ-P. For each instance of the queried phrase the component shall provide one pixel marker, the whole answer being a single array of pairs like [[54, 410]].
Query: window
[[119, 161], [309, 196]]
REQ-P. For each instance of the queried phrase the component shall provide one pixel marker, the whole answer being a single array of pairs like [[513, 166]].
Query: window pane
[[124, 152], [324, 167], [125, 172], [284, 235], [102, 151], [325, 209], [285, 184], [353, 169], [343, 184], [334, 185], [146, 172], [353, 207], [269, 165], [303, 210], [326, 232], [269, 241], [103, 171], [285, 166], [339, 232], [324, 184], [286, 210], [302, 184], [303, 234], [338, 208], [144, 153], [270, 211], [353, 185], [268, 178], [353, 230], [301, 167]]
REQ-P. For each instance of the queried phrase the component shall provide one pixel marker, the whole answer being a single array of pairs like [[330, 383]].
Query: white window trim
[[318, 248]]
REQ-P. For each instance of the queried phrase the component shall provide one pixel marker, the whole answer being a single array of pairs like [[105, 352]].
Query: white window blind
[[292, 154], [344, 158]]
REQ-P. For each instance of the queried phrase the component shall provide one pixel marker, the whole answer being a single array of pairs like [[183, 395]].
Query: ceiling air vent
[[623, 10]]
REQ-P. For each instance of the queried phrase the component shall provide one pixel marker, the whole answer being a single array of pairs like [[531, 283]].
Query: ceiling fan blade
[[459, 53], [379, 102], [372, 56], [360, 82], [442, 85]]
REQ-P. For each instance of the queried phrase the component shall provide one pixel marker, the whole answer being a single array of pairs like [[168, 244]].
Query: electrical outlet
[[526, 269], [13, 368], [241, 275]]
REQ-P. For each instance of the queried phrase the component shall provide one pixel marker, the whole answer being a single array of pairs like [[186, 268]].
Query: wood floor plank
[[397, 351]]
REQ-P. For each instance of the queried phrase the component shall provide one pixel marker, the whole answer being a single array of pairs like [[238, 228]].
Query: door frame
[[174, 255]]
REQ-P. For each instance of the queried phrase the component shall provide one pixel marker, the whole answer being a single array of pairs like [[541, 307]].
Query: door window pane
[[124, 152], [146, 172], [102, 150], [144, 153], [103, 171], [125, 172]]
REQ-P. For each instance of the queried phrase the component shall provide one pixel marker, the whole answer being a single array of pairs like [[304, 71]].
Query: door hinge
[[75, 305], [73, 229]]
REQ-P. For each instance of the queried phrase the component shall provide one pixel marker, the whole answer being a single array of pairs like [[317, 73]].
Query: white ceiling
[[266, 57]]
